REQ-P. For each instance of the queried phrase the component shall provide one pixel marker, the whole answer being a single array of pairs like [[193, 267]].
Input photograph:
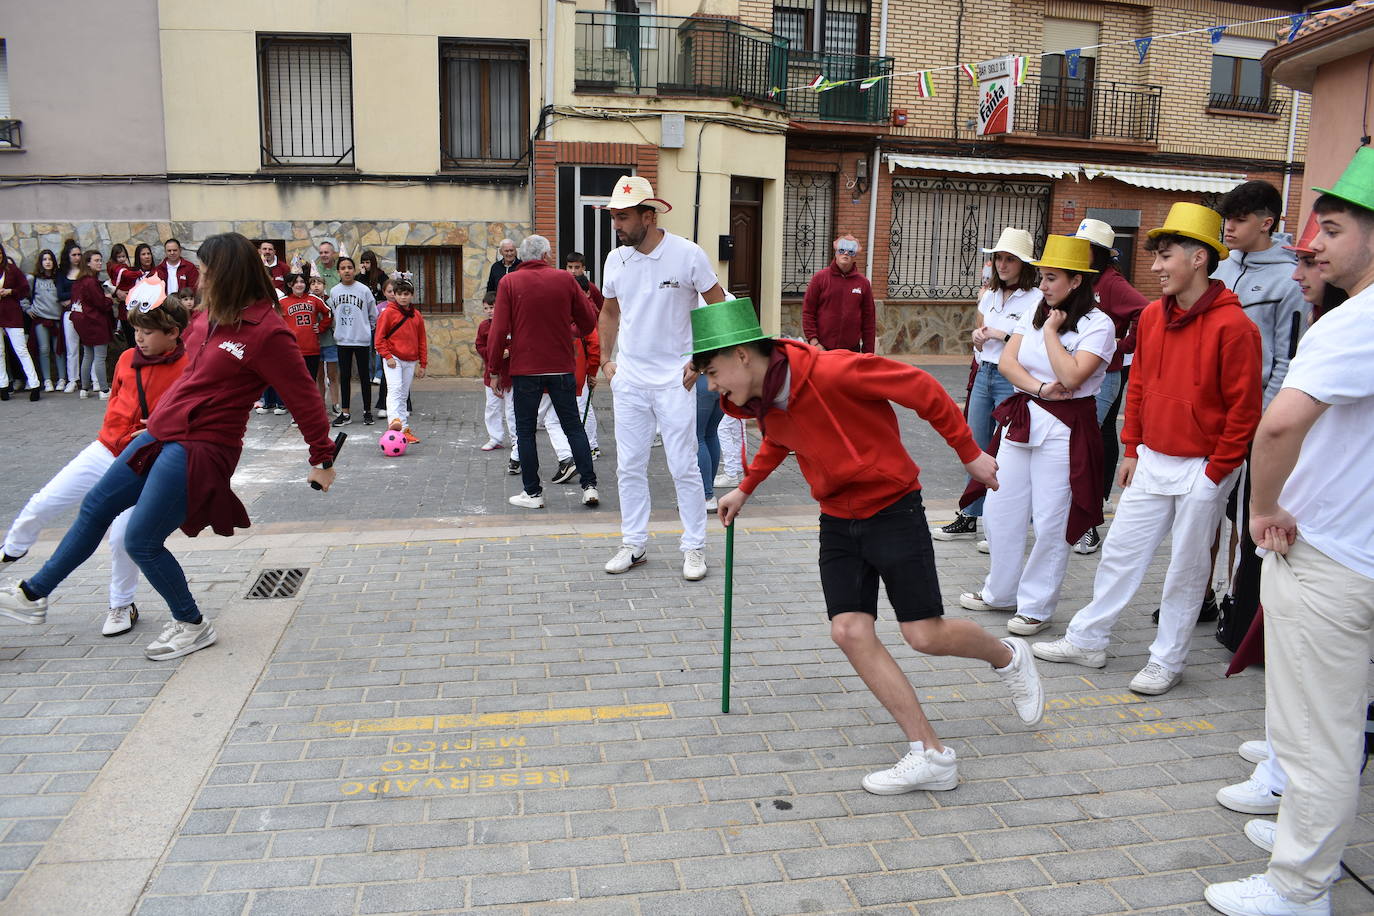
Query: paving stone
[[738, 869], [875, 890], [488, 890], [411, 896], [201, 905], [315, 901]]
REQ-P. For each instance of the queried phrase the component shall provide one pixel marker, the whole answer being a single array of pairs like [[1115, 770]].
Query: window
[[306, 90], [9, 129], [808, 227], [438, 274], [1238, 82], [829, 26], [484, 101], [648, 28]]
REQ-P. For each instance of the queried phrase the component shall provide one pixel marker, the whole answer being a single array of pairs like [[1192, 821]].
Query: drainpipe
[[873, 176], [1288, 172], [550, 40], [882, 32]]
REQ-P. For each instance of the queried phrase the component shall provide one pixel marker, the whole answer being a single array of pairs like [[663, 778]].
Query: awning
[[1206, 182], [983, 166]]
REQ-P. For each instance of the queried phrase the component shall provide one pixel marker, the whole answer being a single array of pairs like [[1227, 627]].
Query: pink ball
[[393, 443]]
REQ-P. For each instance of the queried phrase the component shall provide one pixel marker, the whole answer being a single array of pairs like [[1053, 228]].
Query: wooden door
[[746, 227]]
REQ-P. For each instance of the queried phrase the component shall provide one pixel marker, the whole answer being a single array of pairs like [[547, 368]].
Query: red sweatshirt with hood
[[1195, 383], [839, 421]]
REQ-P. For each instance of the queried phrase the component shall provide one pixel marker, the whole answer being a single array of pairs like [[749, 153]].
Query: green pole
[[729, 594]]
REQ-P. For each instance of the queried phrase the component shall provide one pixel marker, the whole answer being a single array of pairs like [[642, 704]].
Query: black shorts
[[894, 545]]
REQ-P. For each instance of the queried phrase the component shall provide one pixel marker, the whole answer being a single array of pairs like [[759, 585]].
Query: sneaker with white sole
[[105, 395], [1023, 681], [1255, 896], [278, 411], [47, 385], [84, 394], [723, 481], [919, 769], [492, 445], [1022, 625], [1088, 543], [1154, 679], [625, 559], [1254, 751], [983, 547], [69, 387], [711, 505], [565, 471], [590, 498], [1262, 833], [512, 467], [693, 565], [178, 638], [15, 605], [973, 601], [963, 528], [526, 501], [1249, 797], [1061, 650], [120, 620]]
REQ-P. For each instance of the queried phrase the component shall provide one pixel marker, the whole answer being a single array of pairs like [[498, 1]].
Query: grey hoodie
[[1263, 281]]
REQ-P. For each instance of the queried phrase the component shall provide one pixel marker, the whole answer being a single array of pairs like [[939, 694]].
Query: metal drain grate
[[277, 583]]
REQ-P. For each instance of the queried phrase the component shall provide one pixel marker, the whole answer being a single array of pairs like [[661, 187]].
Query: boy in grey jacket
[[1260, 273]]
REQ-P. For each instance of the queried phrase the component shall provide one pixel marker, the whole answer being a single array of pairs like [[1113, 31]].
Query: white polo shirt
[[657, 292]]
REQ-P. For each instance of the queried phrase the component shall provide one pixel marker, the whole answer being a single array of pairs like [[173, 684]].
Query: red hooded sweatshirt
[[124, 415], [840, 422], [1195, 383]]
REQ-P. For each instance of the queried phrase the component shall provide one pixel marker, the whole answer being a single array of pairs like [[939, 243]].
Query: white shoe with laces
[[590, 498], [1249, 797], [723, 481], [973, 601], [178, 638], [15, 605], [526, 501], [1061, 650], [693, 565], [1255, 896], [120, 620], [1254, 751], [1023, 681], [919, 769], [1154, 679], [625, 559], [711, 505], [1021, 625], [1262, 833]]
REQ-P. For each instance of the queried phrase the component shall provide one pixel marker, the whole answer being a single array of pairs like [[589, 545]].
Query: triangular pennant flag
[[1142, 45], [970, 71], [773, 93], [924, 88], [1216, 32], [1073, 56], [1295, 22], [1018, 70], [817, 82], [827, 85], [870, 82]]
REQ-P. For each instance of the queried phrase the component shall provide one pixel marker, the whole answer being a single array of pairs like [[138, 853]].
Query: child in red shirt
[[833, 409], [401, 343], [498, 414]]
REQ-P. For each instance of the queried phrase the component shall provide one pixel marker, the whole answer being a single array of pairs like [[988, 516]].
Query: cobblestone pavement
[[462, 712]]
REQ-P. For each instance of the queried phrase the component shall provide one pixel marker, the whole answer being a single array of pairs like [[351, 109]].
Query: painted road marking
[[572, 715]]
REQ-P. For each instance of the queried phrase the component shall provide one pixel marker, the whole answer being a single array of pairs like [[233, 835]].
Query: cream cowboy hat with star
[[635, 191]]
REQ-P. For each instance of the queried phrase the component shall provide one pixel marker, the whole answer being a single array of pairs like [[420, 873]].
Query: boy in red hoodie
[[1191, 410], [833, 409], [401, 343], [141, 376]]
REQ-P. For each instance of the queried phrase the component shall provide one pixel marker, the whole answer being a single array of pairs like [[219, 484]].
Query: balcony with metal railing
[[1273, 107], [1099, 110], [848, 102], [10, 136]]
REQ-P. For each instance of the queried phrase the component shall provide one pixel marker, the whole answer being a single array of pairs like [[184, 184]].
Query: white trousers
[[1142, 521], [731, 433], [65, 491], [20, 342], [494, 416], [1034, 484], [1268, 772], [554, 428], [73, 343], [674, 412], [1318, 636], [398, 379]]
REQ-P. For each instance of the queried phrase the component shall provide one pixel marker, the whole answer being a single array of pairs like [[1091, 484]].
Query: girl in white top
[[1059, 351]]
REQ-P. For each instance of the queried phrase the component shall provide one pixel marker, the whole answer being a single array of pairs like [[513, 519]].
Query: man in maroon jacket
[[177, 273], [539, 306], [838, 312]]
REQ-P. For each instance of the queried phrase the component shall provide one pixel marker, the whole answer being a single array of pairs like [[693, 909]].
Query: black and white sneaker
[[120, 620], [1088, 543], [565, 472], [963, 528], [342, 419], [512, 467]]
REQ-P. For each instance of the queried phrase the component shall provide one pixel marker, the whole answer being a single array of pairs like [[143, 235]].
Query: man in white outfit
[[651, 283]]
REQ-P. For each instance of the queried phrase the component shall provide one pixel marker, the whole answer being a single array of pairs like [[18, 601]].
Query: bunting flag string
[[1020, 68]]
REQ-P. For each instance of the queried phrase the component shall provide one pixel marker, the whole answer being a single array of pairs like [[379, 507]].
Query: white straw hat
[[635, 191], [1015, 242], [1099, 233]]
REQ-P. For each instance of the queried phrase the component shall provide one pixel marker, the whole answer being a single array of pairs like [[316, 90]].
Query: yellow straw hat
[[1196, 222], [1065, 252]]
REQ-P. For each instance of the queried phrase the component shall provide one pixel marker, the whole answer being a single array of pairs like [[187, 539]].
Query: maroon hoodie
[[1123, 303], [838, 310]]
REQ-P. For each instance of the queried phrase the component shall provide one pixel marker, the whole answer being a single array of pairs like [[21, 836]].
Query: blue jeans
[[708, 440], [1106, 395], [989, 390], [528, 391], [159, 501]]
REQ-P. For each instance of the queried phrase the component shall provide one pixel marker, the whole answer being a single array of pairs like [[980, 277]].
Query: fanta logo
[[232, 347]]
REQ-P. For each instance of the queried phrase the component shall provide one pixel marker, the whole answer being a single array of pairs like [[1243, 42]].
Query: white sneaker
[[983, 547], [278, 411], [84, 394], [711, 505], [1249, 797], [178, 639], [1254, 751], [1154, 679], [625, 559], [105, 395], [1023, 680], [65, 386], [259, 409], [47, 385], [1255, 896], [973, 601], [919, 769], [590, 498], [1022, 625], [120, 620], [1262, 834], [491, 446], [658, 440], [16, 606], [693, 565], [381, 411], [1061, 650], [526, 501], [723, 481]]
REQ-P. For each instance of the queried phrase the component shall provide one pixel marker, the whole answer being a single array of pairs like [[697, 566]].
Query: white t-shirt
[[1095, 334], [1002, 310], [1331, 489], [657, 292], [172, 284]]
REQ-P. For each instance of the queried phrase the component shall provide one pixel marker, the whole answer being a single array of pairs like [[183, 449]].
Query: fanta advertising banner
[[996, 96]]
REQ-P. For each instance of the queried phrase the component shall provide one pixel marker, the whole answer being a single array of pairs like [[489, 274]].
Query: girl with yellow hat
[[1050, 456]]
